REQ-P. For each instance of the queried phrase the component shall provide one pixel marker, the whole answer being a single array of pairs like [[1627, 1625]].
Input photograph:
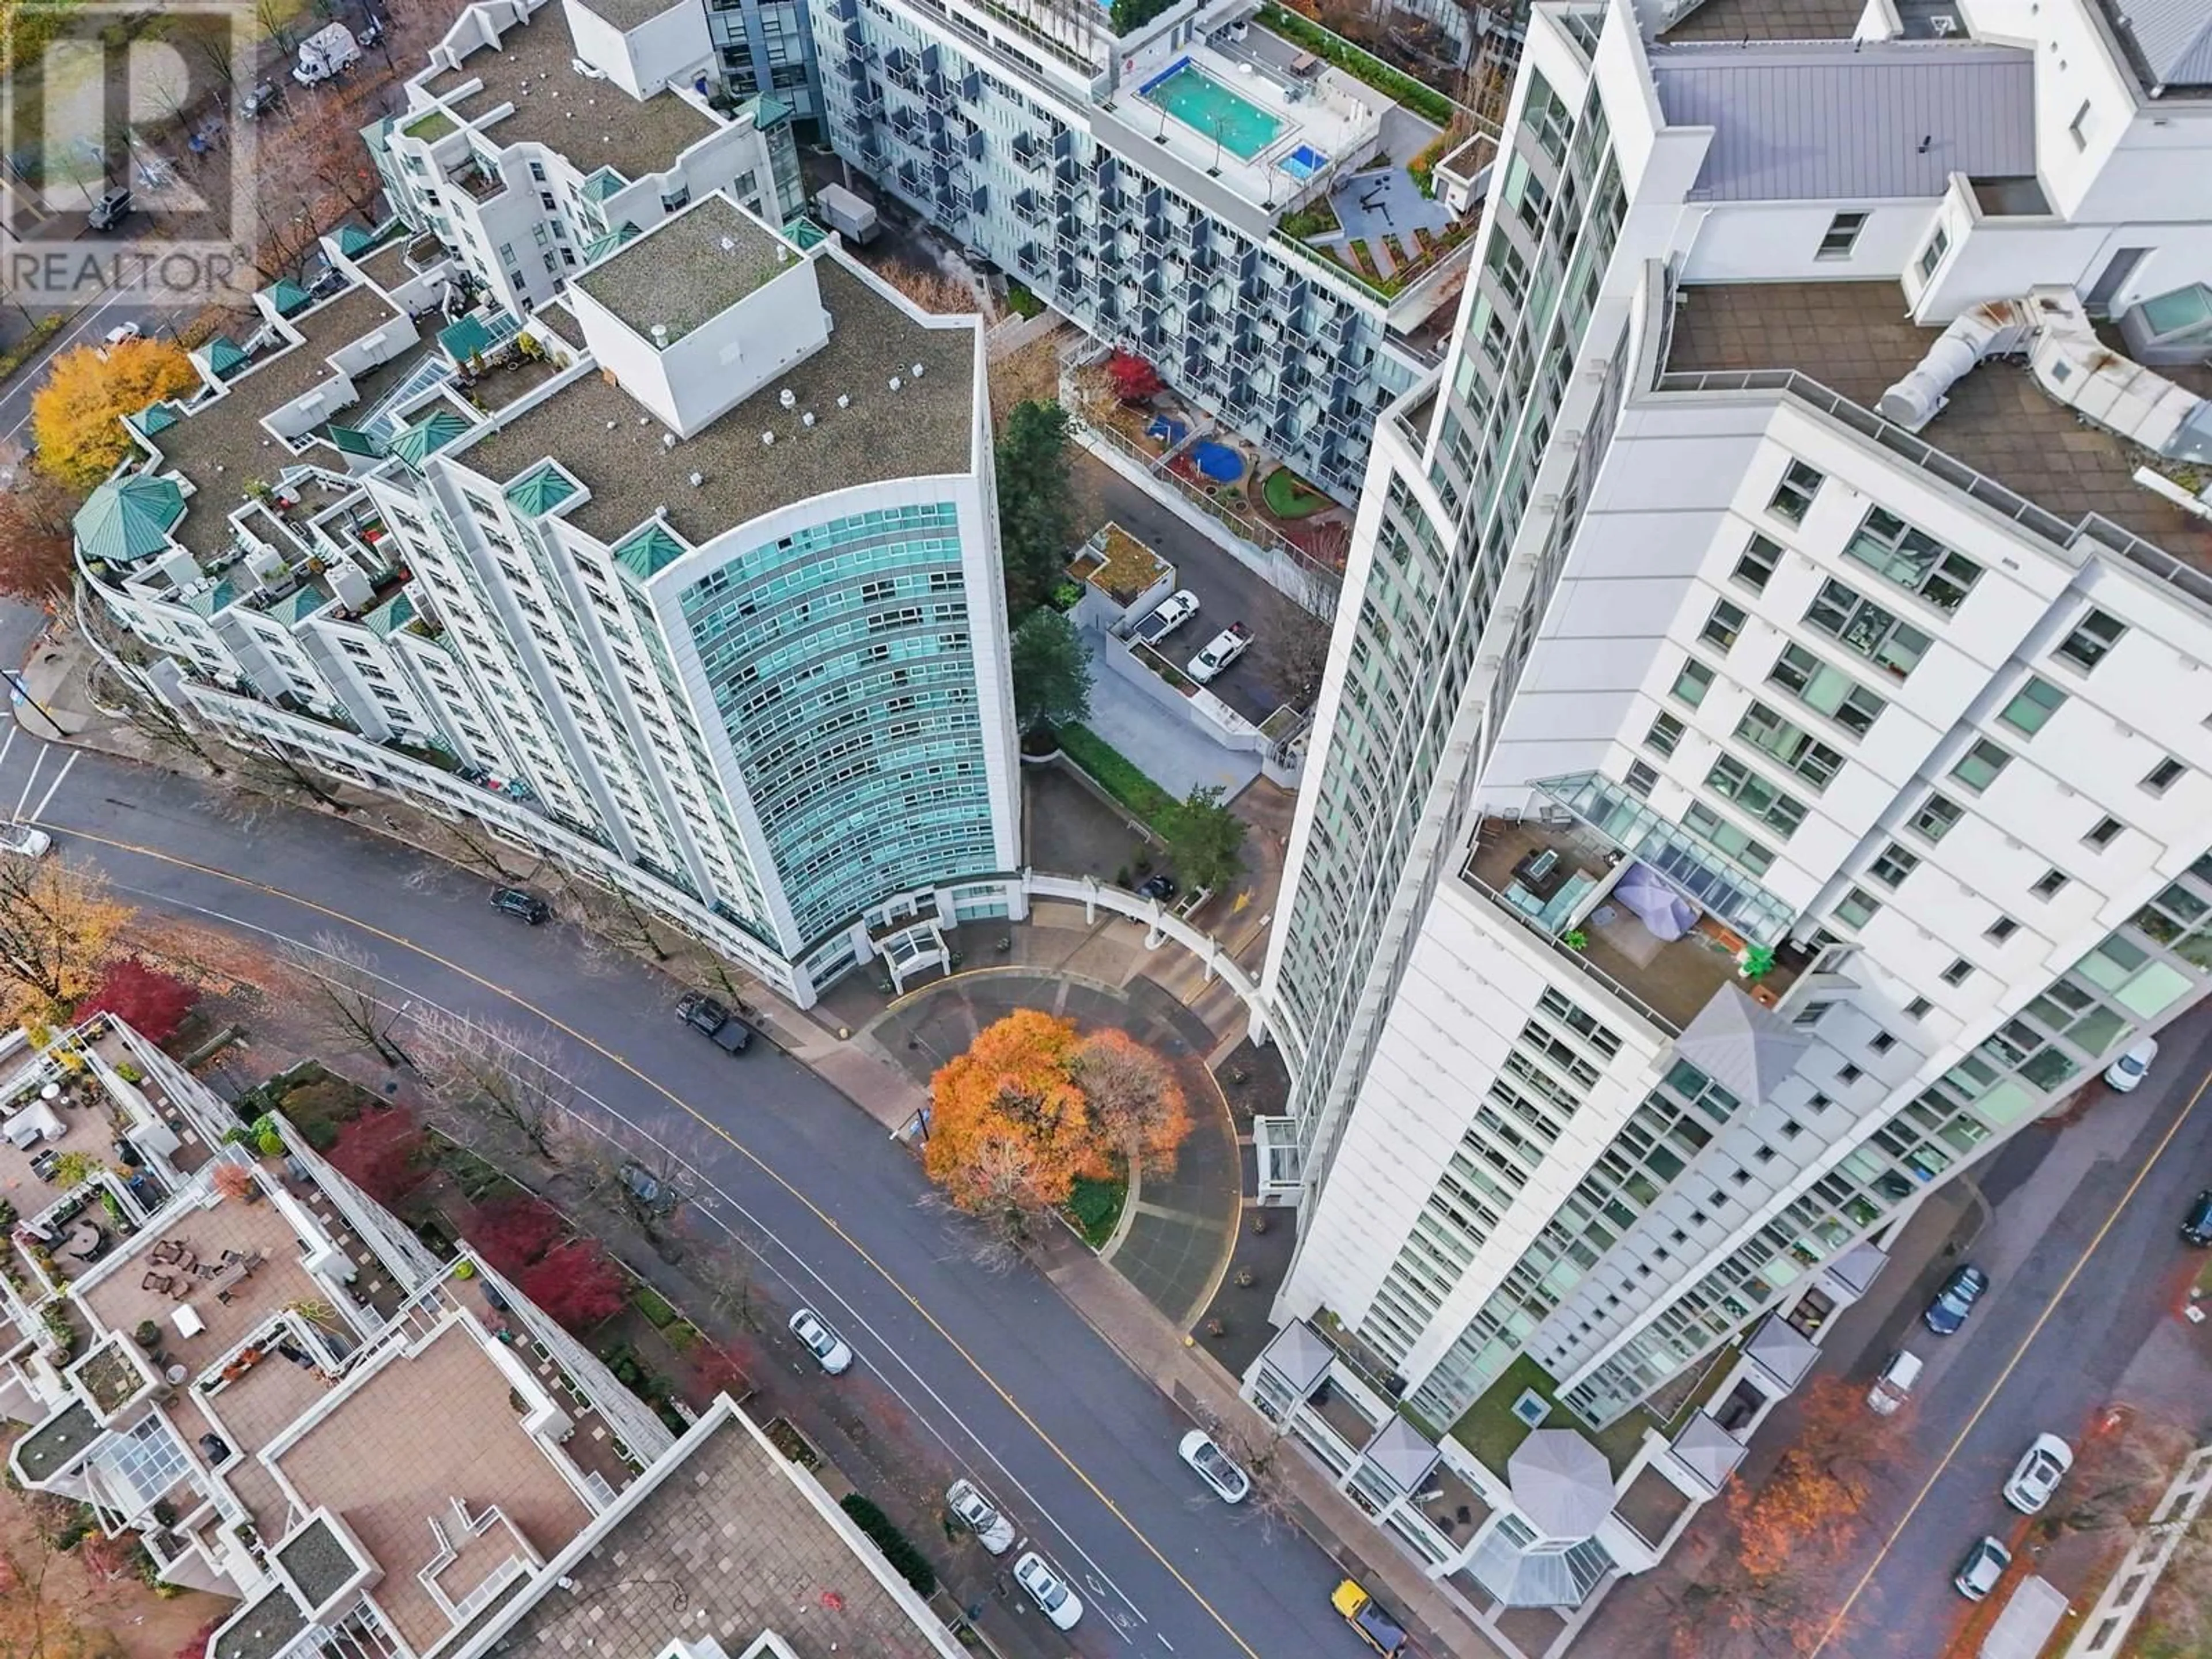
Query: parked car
[[1369, 1622], [521, 903], [1171, 613], [1214, 1466], [973, 1511], [1161, 886], [2196, 1225], [2037, 1473], [703, 1013], [24, 841], [2125, 1074], [1978, 1573], [828, 1348], [1894, 1384], [121, 332], [1224, 648], [264, 96], [113, 208], [1048, 1590], [648, 1189], [1955, 1300]]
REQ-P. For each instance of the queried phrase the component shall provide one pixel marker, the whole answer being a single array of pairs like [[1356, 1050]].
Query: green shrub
[[656, 1310], [682, 1336], [1425, 102], [1117, 774], [905, 1560], [320, 1133], [1095, 1206]]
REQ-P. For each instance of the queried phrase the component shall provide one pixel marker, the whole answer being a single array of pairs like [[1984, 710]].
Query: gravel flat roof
[[923, 429], [679, 273]]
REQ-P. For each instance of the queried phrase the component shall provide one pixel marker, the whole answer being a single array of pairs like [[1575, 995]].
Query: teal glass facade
[[843, 671]]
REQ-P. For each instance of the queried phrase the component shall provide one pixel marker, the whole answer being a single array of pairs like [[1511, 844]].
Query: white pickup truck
[[1172, 612], [1224, 648]]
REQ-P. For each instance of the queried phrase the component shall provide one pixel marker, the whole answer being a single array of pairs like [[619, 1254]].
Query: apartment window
[[1857, 907], [1979, 767], [2164, 775], [2106, 832], [1882, 1043], [1829, 690], [1795, 748], [1640, 779], [1918, 1008], [1711, 827], [1893, 864], [545, 200], [1764, 1155], [1666, 732], [1843, 235], [2001, 930], [1800, 483], [537, 172], [2034, 704], [1958, 972], [1721, 628], [2095, 635], [1791, 1128], [2048, 884], [1932, 255], [1758, 563], [1859, 625], [1936, 819], [1731, 777], [1912, 559], [1848, 1074], [1692, 683]]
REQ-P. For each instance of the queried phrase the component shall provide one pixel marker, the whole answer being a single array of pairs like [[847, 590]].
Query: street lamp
[[15, 681]]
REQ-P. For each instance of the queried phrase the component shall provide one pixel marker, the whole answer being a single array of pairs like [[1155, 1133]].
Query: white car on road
[[825, 1344], [1048, 1590], [2122, 1076], [121, 333], [973, 1511], [1228, 1482], [2037, 1473], [24, 841]]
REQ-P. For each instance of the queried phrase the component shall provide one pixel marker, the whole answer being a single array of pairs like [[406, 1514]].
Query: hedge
[[1425, 102], [905, 1560], [1118, 775]]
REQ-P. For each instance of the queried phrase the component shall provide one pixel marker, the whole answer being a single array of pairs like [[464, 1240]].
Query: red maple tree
[[577, 1284], [382, 1153], [152, 1002], [1133, 378], [511, 1233], [719, 1368]]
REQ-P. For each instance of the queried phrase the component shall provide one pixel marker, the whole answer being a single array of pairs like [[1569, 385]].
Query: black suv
[[521, 903], [1955, 1300]]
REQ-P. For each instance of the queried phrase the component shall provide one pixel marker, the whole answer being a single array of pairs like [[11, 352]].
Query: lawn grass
[[1118, 775], [1490, 1430], [1095, 1207], [1021, 303], [1289, 496]]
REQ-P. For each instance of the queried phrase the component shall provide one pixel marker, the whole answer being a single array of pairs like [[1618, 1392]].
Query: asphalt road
[[1077, 1446], [2087, 1268]]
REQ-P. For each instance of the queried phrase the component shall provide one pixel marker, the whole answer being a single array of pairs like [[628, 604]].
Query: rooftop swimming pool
[[1303, 162], [1210, 109]]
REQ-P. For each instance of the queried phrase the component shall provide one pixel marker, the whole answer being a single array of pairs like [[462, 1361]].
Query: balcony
[[1555, 879]]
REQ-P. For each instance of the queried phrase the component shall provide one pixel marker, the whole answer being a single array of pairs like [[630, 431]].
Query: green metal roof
[[288, 297], [351, 442], [393, 615], [221, 597], [224, 357], [540, 491], [603, 184], [804, 233], [156, 417], [463, 340], [128, 519], [601, 246], [300, 603], [650, 552], [769, 110], [432, 433], [352, 238]]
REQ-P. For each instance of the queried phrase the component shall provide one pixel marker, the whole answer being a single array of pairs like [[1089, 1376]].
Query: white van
[[1894, 1384]]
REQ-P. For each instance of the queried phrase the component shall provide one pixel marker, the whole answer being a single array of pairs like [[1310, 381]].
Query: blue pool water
[[1210, 109], [1303, 162]]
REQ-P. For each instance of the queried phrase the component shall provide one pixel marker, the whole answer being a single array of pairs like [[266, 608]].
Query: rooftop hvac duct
[[1993, 328]]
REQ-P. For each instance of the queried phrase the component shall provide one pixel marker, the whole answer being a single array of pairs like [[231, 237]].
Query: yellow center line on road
[[2035, 1330], [737, 1145]]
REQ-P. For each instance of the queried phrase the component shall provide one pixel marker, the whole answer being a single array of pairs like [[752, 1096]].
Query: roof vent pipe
[[1992, 329]]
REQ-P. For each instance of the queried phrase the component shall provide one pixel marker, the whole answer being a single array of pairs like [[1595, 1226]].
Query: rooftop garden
[[431, 127], [1333, 48]]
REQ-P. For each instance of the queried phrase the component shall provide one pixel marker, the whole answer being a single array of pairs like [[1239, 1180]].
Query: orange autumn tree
[[77, 414], [1009, 1130]]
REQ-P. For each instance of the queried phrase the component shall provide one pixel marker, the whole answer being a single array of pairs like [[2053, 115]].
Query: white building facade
[[1733, 810]]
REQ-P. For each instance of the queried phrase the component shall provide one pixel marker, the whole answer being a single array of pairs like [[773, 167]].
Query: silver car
[[1214, 1466], [1983, 1569], [1048, 1590], [2038, 1472], [973, 1511], [825, 1344]]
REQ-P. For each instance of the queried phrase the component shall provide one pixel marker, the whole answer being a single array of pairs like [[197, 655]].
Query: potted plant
[[147, 1335]]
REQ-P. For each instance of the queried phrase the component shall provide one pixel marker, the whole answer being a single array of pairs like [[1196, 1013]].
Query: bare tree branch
[[349, 999]]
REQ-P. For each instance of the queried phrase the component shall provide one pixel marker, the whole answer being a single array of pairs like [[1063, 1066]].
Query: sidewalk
[[1186, 1375]]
